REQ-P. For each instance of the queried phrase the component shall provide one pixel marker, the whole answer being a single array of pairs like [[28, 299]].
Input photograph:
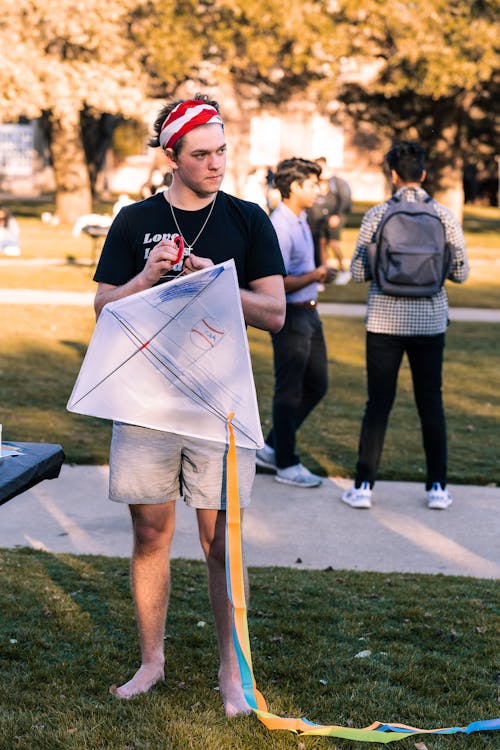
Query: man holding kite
[[189, 227]]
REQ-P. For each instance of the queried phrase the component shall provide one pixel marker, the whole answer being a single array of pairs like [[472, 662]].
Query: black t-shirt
[[236, 229]]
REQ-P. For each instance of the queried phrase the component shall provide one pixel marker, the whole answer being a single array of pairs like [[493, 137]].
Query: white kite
[[174, 358]]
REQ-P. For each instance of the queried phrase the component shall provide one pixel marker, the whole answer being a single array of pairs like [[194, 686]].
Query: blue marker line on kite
[[189, 287]]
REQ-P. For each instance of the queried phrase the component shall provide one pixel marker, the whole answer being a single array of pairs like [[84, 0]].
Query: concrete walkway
[[478, 314], [283, 526]]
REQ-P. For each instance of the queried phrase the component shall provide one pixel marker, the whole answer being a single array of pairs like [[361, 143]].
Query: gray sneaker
[[358, 497], [437, 498], [265, 457], [298, 476]]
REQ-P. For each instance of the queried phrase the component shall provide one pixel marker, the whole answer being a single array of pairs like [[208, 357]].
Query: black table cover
[[36, 462]]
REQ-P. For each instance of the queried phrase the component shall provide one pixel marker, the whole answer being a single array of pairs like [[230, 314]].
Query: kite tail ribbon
[[376, 732]]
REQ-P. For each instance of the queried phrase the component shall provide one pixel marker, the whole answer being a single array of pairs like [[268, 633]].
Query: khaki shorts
[[149, 466]]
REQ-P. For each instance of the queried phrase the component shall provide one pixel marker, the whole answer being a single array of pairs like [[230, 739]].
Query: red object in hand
[[180, 244]]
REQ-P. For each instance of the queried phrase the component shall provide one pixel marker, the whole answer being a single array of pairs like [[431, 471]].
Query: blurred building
[[266, 138]]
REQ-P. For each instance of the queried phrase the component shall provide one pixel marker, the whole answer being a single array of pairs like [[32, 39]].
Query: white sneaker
[[358, 497], [298, 476], [342, 278], [266, 458], [437, 498]]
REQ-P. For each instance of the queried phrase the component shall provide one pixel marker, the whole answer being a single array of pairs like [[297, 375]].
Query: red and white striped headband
[[185, 117]]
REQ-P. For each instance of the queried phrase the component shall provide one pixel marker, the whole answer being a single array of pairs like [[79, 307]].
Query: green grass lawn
[[67, 627], [69, 257], [328, 440], [42, 349], [67, 632]]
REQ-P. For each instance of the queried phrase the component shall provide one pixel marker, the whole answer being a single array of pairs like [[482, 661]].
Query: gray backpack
[[409, 255]]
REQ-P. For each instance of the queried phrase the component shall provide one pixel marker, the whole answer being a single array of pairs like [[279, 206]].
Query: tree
[[262, 51], [434, 64], [436, 80], [65, 59], [435, 76]]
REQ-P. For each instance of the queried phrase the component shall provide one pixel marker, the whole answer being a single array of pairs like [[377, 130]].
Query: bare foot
[[143, 680], [232, 695]]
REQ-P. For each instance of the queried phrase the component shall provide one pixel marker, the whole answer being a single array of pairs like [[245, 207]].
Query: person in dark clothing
[[147, 467], [398, 324]]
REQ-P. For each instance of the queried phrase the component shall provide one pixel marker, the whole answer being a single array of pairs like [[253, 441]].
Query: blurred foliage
[[426, 70]]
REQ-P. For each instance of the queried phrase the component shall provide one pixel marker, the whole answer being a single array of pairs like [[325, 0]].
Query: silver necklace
[[188, 246]]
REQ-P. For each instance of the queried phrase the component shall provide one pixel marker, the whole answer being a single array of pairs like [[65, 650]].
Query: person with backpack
[[407, 247]]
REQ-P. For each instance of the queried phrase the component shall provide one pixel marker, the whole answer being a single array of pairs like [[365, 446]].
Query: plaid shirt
[[408, 316]]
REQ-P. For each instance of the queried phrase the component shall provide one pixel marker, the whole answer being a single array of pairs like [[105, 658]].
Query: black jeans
[[301, 378], [383, 359]]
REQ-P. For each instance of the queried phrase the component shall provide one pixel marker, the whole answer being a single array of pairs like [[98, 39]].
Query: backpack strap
[[394, 200]]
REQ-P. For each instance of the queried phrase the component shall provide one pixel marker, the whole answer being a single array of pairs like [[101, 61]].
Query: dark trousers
[[301, 378], [384, 354]]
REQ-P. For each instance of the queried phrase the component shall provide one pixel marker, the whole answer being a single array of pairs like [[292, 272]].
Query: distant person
[[9, 233], [340, 200], [318, 215], [157, 182], [397, 323], [300, 358], [273, 196]]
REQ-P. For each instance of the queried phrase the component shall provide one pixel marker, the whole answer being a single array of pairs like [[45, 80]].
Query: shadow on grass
[[77, 346]]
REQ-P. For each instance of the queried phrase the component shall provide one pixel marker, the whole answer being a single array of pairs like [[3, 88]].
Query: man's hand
[[161, 258], [196, 263], [325, 274]]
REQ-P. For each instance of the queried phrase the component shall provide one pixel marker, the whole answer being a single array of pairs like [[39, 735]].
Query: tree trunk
[[73, 194], [447, 159], [450, 191], [238, 110]]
